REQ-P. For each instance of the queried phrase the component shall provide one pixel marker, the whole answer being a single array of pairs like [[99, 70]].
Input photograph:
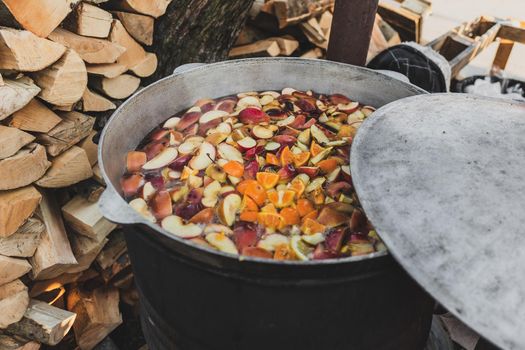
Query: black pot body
[[194, 300]]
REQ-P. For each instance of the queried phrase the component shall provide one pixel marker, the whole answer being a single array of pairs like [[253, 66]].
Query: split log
[[86, 219], [25, 167], [13, 302], [39, 16], [90, 148], [23, 51], [325, 22], [287, 45], [36, 117], [66, 108], [109, 70], [74, 127], [93, 102], [259, 48], [11, 140], [64, 82], [112, 250], [53, 255], [15, 94], [123, 281], [24, 241], [89, 20], [120, 87], [314, 33], [17, 343], [134, 53], [15, 207], [313, 53], [41, 287], [86, 250], [119, 268], [67, 169], [89, 189], [140, 27], [292, 11], [98, 315], [97, 175], [44, 323], [92, 50], [12, 269], [147, 67], [154, 8]]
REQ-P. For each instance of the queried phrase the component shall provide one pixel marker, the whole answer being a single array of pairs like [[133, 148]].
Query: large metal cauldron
[[195, 298]]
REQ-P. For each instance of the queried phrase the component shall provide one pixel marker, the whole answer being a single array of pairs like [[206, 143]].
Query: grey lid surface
[[442, 179]]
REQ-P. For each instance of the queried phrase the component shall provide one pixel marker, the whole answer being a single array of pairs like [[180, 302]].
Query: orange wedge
[[315, 149], [233, 168], [281, 198], [298, 187], [310, 226], [301, 159], [248, 215], [256, 192], [291, 216], [272, 159], [270, 220], [269, 208], [304, 207], [287, 157], [318, 196], [311, 215], [283, 252], [248, 204], [327, 165], [241, 186], [267, 180]]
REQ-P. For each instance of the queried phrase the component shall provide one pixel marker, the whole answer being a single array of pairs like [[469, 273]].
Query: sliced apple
[[162, 159], [322, 155], [212, 115], [247, 143], [319, 135], [229, 152], [187, 172], [228, 208], [331, 218], [314, 239], [135, 160], [187, 120], [274, 94], [174, 174], [356, 117], [141, 207], [204, 157], [288, 91], [226, 190], [304, 137], [289, 120], [311, 171], [216, 138], [348, 107], [174, 225], [205, 216], [224, 127], [261, 132], [148, 191], [272, 241], [179, 193], [302, 146], [222, 243], [272, 146], [195, 181], [266, 99], [332, 176], [211, 194], [211, 228], [315, 184], [304, 178], [161, 204], [131, 184], [216, 172], [253, 115], [171, 123], [248, 101]]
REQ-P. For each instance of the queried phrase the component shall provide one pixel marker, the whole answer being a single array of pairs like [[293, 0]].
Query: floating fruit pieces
[[264, 175]]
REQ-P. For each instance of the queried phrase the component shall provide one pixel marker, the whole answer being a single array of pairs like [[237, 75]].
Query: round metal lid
[[442, 179]]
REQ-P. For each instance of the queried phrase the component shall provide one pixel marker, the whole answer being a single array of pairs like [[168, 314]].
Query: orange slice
[[304, 207], [241, 186], [315, 149], [310, 226], [301, 159], [256, 192], [233, 168], [283, 252], [327, 165], [298, 187], [269, 208], [248, 204], [272, 159], [281, 198], [270, 220], [287, 157], [291, 216], [318, 196], [311, 215], [267, 180], [248, 215]]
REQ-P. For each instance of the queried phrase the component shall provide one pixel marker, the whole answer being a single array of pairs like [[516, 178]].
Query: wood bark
[[67, 169], [74, 127], [15, 207], [11, 140], [53, 255], [23, 51], [154, 8], [64, 82], [36, 117], [196, 31], [24, 241], [92, 50], [25, 167], [15, 94], [8, 342], [13, 302], [44, 323]]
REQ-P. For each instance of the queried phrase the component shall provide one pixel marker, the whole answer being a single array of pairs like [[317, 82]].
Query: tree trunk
[[196, 31]]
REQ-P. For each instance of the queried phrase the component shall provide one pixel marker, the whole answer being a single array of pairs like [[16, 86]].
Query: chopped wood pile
[[63, 64], [301, 28]]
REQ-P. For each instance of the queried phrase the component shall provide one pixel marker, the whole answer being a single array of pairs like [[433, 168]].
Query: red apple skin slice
[[153, 148], [226, 105], [306, 105], [251, 169], [188, 120], [338, 98], [334, 240], [205, 216], [203, 128], [135, 160], [161, 205], [276, 114], [131, 184], [298, 121], [321, 253], [311, 171], [290, 131], [357, 221], [179, 163], [244, 237], [336, 188], [208, 107], [285, 139], [308, 124], [160, 135], [252, 115], [256, 252]]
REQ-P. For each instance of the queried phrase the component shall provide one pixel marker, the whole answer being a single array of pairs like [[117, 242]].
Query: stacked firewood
[[63, 63], [299, 28]]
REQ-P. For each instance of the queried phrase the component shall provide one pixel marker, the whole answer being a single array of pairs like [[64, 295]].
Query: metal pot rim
[[111, 197]]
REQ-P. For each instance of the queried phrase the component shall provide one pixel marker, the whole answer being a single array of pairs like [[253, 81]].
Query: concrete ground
[[447, 14]]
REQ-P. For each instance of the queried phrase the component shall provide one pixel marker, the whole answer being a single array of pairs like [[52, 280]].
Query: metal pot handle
[[187, 66], [116, 210]]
